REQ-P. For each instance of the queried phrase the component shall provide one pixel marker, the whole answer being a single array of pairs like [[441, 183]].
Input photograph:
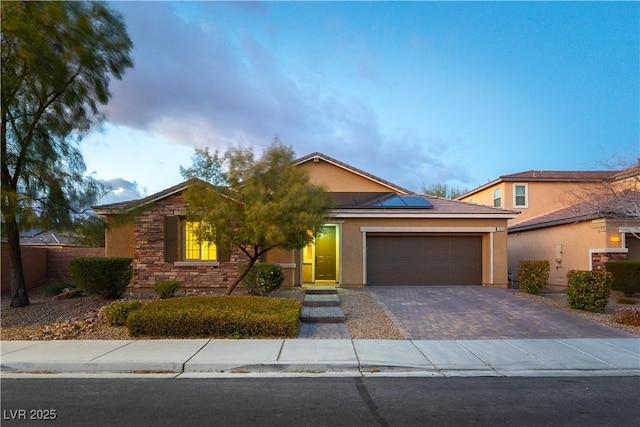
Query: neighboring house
[[577, 220], [378, 234]]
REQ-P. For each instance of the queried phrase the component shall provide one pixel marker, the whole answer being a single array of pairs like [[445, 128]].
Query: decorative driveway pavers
[[481, 313]]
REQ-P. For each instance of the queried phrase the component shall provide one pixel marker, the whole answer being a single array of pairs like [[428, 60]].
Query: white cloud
[[198, 84], [119, 190]]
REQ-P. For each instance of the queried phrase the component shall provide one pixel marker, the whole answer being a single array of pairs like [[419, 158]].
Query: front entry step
[[322, 315], [321, 290], [321, 300], [322, 305]]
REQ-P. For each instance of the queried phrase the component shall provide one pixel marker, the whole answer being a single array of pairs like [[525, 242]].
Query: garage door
[[424, 260]]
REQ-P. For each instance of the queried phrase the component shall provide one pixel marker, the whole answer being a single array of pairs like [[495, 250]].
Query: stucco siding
[[494, 268], [336, 179], [542, 197], [566, 247]]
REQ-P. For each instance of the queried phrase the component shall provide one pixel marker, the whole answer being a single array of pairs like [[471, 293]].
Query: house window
[[194, 250], [497, 198], [520, 195]]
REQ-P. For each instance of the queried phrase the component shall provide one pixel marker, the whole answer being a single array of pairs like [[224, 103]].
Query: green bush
[[166, 288], [117, 312], [626, 276], [627, 316], [217, 317], [263, 278], [588, 290], [108, 277], [533, 275]]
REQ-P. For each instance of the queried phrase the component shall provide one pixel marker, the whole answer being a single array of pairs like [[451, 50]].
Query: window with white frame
[[497, 198], [520, 196]]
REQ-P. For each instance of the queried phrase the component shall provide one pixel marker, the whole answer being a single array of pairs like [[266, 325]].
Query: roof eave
[[573, 220]]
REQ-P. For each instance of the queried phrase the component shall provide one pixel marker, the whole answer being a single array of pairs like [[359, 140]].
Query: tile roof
[[548, 176], [585, 211], [533, 175], [439, 208], [120, 207], [349, 203]]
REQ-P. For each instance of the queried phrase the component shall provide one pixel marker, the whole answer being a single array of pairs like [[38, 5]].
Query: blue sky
[[417, 93]]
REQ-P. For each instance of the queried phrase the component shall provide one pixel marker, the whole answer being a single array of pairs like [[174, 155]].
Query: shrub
[[627, 316], [588, 290], [626, 300], [108, 277], [117, 312], [263, 278], [217, 317], [166, 288], [533, 275], [626, 276]]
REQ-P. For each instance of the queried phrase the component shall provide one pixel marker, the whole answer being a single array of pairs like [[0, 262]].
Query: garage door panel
[[424, 260]]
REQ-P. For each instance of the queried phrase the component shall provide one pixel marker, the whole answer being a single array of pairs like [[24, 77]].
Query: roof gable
[[338, 176], [125, 206]]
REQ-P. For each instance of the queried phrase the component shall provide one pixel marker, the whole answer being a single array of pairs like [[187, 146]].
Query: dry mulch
[[81, 319]]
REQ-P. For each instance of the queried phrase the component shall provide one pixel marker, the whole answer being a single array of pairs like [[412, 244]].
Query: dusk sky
[[417, 93]]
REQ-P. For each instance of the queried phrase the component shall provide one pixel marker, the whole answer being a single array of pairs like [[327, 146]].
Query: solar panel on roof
[[380, 200], [398, 201]]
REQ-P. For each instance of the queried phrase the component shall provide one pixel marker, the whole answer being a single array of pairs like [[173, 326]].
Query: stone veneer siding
[[149, 265], [598, 259]]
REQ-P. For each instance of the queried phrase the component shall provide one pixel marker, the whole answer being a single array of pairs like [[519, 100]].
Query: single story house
[[577, 220], [378, 234]]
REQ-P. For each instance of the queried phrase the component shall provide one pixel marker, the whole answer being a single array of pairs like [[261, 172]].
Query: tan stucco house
[[577, 220], [378, 234]]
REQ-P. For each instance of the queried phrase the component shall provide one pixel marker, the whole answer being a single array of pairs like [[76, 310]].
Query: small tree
[[443, 190], [268, 204]]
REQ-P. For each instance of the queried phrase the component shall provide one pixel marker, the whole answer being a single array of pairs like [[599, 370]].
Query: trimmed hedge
[[117, 312], [263, 278], [533, 275], [217, 317], [626, 276], [588, 290], [166, 288], [108, 277]]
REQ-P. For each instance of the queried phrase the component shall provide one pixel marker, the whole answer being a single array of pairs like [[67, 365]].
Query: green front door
[[326, 254]]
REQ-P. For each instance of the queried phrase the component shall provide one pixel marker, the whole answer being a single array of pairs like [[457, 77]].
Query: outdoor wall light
[[614, 238]]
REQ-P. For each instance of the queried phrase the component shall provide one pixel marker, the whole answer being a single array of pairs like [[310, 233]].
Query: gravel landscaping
[[80, 318]]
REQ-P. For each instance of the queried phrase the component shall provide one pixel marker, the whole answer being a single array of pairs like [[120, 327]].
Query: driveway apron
[[475, 312]]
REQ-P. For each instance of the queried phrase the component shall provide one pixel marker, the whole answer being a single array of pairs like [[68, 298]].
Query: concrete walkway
[[306, 357]]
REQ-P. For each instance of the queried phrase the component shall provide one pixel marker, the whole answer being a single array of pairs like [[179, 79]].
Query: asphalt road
[[576, 401]]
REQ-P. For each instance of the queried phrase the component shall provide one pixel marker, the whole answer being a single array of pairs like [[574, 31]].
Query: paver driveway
[[475, 312]]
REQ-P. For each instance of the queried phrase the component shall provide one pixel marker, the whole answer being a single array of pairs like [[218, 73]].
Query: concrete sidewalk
[[306, 357]]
